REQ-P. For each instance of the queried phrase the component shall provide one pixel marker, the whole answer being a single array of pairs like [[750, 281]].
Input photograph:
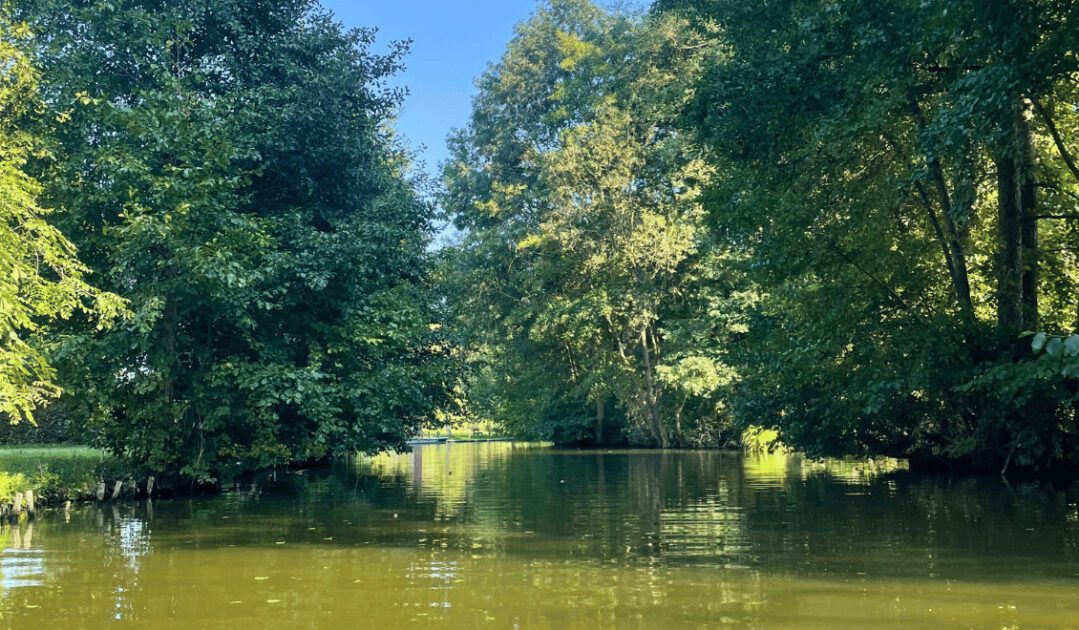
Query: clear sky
[[453, 42]]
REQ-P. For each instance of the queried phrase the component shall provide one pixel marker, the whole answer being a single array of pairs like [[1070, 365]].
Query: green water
[[503, 536]]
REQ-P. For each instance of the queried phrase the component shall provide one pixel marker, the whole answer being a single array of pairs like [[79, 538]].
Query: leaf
[[1071, 346], [1055, 347], [1039, 342]]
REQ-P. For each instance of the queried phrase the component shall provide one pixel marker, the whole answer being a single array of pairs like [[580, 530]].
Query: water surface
[[514, 536]]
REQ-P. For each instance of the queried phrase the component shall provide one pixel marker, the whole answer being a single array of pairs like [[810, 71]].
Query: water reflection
[[685, 507], [512, 535], [21, 565]]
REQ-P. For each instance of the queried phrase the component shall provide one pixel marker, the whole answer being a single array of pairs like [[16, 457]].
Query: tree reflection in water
[[463, 535]]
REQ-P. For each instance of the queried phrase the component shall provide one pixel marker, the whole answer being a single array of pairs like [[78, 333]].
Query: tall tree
[[885, 163], [581, 202]]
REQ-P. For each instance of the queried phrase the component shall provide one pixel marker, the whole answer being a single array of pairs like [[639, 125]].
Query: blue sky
[[453, 42]]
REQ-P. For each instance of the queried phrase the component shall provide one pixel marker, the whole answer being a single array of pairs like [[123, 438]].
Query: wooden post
[[16, 509], [31, 512], [150, 487], [116, 490], [101, 491]]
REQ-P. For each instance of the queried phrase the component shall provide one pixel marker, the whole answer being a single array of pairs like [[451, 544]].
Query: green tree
[[585, 243], [41, 278], [892, 168], [228, 167]]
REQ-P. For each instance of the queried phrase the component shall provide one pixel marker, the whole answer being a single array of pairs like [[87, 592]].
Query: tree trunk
[[678, 435], [942, 241], [1009, 250], [1028, 198], [955, 244], [601, 412], [953, 239], [650, 392], [170, 326]]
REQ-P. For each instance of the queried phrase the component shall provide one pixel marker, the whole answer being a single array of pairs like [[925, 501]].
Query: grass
[[467, 431], [17, 452], [54, 472]]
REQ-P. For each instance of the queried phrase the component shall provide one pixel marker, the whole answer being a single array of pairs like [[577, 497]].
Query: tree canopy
[[41, 279], [895, 169], [592, 277], [842, 221], [229, 168], [852, 225]]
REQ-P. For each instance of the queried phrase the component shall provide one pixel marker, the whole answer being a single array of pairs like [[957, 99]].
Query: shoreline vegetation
[[61, 476], [846, 228], [55, 473], [58, 474]]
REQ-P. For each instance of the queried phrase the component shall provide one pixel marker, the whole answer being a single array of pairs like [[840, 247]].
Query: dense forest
[[855, 225]]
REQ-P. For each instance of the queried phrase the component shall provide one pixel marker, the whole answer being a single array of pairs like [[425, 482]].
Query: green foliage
[[226, 167], [758, 440], [54, 424], [10, 484], [41, 279], [830, 220], [1027, 399], [894, 171], [815, 222], [581, 280]]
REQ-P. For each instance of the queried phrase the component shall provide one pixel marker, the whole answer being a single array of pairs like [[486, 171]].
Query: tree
[[41, 278], [887, 166], [228, 168], [581, 203]]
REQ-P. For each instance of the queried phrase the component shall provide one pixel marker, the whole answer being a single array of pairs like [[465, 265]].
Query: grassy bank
[[55, 473]]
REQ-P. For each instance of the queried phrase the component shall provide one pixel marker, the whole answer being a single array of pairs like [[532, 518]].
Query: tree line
[[855, 224]]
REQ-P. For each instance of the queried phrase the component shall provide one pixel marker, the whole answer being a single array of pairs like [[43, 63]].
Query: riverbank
[[58, 473]]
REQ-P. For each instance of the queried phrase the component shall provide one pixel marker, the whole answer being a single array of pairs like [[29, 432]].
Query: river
[[506, 535]]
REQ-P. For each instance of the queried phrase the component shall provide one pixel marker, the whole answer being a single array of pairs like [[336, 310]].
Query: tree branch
[[1057, 139], [928, 205], [888, 290], [958, 257]]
